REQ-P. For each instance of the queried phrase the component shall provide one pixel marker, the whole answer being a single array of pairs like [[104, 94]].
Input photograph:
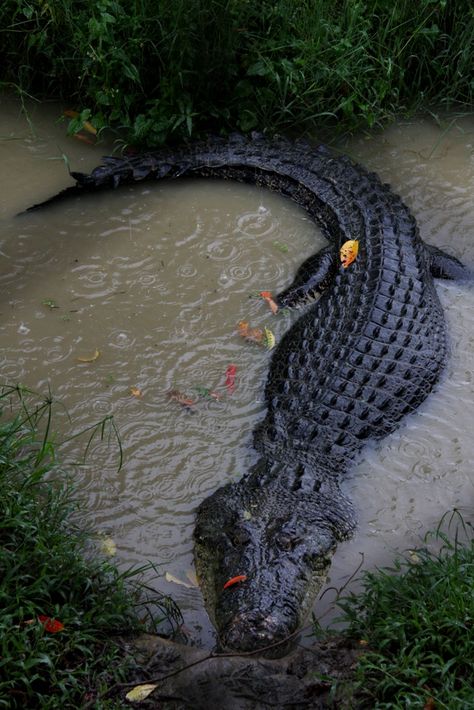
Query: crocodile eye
[[239, 537], [284, 542], [287, 542]]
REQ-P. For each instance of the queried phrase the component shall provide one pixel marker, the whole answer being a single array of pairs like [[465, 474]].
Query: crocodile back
[[369, 351]]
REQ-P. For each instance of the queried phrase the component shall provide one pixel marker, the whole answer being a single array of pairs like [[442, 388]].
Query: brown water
[[155, 278]]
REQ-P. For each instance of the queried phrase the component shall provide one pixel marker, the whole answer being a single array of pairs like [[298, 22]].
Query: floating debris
[[267, 296], [89, 358], [175, 395], [261, 336], [230, 378]]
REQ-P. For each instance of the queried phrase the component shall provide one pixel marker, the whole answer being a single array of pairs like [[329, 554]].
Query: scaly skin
[[365, 354]]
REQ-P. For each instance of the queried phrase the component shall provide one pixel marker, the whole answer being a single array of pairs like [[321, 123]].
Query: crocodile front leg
[[313, 276], [445, 266]]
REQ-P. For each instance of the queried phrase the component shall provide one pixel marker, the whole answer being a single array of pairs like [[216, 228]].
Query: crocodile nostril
[[250, 632]]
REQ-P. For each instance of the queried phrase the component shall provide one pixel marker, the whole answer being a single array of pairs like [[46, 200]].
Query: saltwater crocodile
[[364, 355]]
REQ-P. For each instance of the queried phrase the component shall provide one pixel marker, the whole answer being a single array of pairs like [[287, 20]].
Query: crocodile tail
[[72, 191], [116, 171]]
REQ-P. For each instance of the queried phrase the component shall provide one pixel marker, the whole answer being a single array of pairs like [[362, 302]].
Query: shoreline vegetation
[[154, 71]]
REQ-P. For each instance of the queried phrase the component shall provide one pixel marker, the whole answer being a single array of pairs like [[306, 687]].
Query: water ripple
[[257, 224], [121, 339]]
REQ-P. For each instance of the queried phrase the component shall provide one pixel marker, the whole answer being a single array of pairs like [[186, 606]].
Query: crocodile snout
[[252, 632]]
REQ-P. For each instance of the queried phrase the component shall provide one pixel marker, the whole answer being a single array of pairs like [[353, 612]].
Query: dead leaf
[[53, 626], [83, 138], [235, 580], [268, 338], [181, 398], [87, 126], [191, 575], [230, 377], [260, 336], [108, 546], [171, 578], [255, 335], [267, 296], [136, 392], [140, 692], [348, 252], [429, 704], [89, 358]]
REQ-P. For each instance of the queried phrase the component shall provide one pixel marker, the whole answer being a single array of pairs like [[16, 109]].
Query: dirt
[[188, 677]]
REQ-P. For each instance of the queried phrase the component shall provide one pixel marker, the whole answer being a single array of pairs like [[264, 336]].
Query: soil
[[188, 677]]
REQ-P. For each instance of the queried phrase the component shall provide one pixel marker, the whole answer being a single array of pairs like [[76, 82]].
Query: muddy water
[[113, 300]]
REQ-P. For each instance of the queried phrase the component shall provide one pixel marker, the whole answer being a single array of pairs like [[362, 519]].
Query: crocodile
[[368, 348]]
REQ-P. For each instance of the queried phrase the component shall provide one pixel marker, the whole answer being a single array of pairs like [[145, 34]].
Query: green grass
[[50, 567], [162, 69], [417, 620]]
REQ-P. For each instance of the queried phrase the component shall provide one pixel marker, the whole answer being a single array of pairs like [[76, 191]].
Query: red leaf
[[51, 625], [235, 580], [230, 378]]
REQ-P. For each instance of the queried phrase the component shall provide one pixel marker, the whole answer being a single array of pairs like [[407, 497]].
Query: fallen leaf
[[235, 580], [51, 625], [171, 578], [136, 392], [268, 339], [83, 138], [87, 126], [281, 247], [192, 576], [108, 546], [140, 692], [260, 336], [348, 252], [230, 377], [181, 398], [89, 358], [363, 642], [255, 335], [267, 296]]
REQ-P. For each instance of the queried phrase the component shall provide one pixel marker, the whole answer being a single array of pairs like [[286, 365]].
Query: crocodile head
[[282, 542]]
